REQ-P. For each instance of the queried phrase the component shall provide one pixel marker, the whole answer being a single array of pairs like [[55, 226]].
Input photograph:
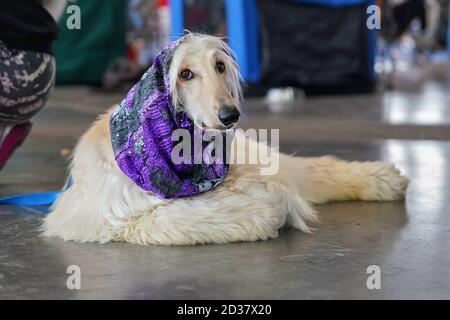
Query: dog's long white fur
[[104, 205]]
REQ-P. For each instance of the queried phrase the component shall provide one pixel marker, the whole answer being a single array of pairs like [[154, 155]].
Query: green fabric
[[83, 55]]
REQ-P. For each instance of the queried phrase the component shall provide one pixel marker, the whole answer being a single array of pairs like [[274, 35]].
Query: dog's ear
[[235, 79]]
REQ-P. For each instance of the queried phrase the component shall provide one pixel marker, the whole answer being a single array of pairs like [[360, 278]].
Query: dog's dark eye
[[220, 67], [186, 74]]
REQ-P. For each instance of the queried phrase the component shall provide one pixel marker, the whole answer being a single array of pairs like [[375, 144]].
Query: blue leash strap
[[35, 198], [31, 199]]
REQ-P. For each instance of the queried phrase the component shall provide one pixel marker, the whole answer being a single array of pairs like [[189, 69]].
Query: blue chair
[[242, 28]]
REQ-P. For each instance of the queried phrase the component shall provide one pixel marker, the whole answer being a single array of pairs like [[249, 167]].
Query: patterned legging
[[26, 81]]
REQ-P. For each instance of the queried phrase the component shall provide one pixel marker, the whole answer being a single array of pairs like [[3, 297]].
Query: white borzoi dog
[[105, 205]]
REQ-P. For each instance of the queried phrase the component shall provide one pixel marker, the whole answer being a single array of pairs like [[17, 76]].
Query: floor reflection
[[426, 164], [428, 106]]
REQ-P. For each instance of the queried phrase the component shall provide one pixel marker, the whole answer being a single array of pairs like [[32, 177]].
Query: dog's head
[[205, 82]]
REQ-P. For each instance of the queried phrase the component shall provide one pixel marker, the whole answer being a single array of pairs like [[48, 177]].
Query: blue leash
[[35, 198]]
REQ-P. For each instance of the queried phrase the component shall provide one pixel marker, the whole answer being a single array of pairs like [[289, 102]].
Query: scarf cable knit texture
[[141, 129]]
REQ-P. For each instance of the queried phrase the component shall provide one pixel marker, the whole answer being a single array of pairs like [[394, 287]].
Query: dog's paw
[[384, 183]]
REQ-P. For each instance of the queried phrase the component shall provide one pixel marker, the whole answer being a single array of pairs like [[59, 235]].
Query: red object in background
[[130, 53], [162, 3]]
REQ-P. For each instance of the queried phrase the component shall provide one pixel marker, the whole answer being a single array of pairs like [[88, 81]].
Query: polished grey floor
[[409, 241]]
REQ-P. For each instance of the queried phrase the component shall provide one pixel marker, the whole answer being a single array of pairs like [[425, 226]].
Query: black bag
[[315, 47]]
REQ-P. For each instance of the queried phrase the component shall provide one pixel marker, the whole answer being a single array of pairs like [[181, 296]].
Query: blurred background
[[318, 46], [389, 63]]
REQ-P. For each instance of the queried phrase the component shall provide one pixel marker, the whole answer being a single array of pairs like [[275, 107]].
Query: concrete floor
[[409, 241]]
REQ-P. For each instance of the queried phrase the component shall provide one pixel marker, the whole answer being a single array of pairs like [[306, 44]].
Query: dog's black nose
[[228, 115]]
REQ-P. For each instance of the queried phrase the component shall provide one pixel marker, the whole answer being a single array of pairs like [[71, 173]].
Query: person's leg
[[13, 137], [26, 81]]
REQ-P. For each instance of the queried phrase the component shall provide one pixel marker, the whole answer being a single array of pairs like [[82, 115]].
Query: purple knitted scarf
[[141, 129]]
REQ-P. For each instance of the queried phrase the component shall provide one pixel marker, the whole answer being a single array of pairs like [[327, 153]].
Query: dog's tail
[[299, 211]]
